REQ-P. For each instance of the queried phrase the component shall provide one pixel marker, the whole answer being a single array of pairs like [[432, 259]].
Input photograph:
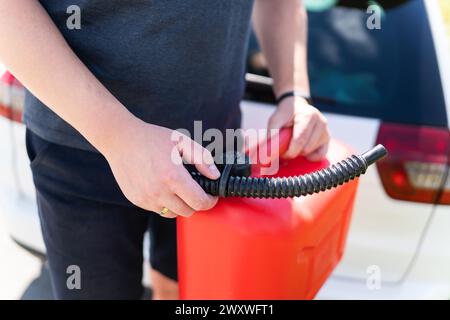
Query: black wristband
[[293, 94]]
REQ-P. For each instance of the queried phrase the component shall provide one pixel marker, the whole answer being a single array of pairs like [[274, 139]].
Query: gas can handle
[[264, 147]]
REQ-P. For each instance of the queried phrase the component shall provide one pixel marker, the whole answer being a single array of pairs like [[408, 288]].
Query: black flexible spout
[[230, 185]]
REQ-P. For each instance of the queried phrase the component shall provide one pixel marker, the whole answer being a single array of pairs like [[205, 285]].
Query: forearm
[[34, 50], [281, 28]]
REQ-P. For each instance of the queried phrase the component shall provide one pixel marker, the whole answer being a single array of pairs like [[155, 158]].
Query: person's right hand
[[147, 164]]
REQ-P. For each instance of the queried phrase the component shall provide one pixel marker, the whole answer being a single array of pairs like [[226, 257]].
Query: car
[[388, 85], [17, 195]]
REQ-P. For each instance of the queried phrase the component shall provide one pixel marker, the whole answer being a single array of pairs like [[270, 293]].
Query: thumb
[[193, 153], [278, 121]]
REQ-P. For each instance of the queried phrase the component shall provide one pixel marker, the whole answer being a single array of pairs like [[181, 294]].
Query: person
[[103, 101]]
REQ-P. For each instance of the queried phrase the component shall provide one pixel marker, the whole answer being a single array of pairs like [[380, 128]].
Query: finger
[[301, 132], [166, 213], [191, 193], [201, 158], [318, 137], [177, 206], [277, 122], [319, 154]]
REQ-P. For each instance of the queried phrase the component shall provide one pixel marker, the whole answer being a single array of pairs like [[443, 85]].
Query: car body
[[390, 85]]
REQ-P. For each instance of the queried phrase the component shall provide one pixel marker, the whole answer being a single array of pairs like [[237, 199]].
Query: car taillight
[[12, 97], [417, 166]]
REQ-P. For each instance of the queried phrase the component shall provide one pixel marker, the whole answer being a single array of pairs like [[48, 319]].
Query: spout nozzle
[[241, 185], [373, 155]]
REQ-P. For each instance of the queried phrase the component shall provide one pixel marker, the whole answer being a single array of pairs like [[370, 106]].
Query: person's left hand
[[310, 134]]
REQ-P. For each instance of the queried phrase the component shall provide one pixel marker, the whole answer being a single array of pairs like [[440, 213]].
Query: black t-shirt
[[170, 62]]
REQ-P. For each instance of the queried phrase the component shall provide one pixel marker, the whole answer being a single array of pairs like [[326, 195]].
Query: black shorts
[[87, 222]]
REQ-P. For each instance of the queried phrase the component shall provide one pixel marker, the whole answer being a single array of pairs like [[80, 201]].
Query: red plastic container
[[266, 248]]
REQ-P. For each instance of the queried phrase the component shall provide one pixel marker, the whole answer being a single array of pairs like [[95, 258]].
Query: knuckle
[[183, 210], [187, 213], [300, 141], [315, 116], [309, 149], [207, 156], [290, 155], [202, 204], [320, 125], [293, 150]]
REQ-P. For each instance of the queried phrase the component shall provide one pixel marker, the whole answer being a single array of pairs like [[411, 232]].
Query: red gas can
[[266, 248]]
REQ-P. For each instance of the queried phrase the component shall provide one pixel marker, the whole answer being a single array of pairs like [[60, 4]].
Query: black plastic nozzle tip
[[373, 155]]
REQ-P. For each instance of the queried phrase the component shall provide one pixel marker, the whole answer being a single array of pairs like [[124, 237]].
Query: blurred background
[[445, 6], [389, 85]]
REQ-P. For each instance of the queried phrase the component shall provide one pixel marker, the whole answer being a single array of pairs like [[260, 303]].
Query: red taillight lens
[[12, 97], [417, 166]]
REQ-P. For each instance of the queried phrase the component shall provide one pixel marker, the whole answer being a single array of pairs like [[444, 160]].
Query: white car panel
[[7, 181], [433, 256], [24, 175], [19, 214], [344, 289]]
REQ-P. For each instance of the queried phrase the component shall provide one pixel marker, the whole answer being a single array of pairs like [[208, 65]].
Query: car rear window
[[389, 73]]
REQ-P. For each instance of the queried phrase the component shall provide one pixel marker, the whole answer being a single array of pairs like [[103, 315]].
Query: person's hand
[[310, 134], [147, 163]]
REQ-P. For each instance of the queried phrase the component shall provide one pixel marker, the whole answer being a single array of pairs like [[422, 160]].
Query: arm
[[33, 49], [281, 27]]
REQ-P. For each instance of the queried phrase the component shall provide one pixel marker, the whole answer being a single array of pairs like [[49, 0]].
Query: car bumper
[[337, 288]]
